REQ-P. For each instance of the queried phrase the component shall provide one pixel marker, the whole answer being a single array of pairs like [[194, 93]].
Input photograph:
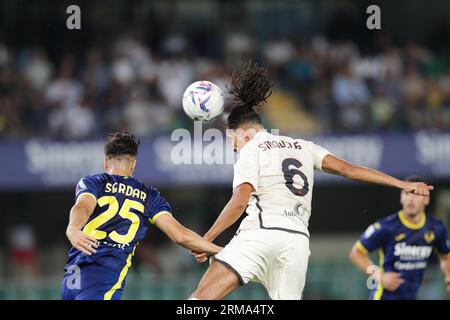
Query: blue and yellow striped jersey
[[125, 209], [404, 248]]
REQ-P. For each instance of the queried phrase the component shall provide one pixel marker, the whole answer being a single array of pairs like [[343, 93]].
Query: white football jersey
[[281, 170]]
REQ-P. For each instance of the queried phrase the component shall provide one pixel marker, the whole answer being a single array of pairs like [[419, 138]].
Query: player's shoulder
[[391, 219], [140, 185], [389, 222], [305, 143], [91, 184], [95, 178], [435, 222], [151, 190]]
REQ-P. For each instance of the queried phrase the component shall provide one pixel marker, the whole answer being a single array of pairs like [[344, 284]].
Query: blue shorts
[[91, 281]]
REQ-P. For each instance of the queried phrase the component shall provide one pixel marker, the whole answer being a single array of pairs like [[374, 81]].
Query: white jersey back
[[281, 170]]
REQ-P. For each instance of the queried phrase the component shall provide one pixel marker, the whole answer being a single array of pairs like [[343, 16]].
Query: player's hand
[[200, 257], [391, 280], [82, 241], [418, 188]]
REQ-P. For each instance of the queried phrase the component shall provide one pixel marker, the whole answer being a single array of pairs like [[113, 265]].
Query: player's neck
[[414, 219], [119, 172]]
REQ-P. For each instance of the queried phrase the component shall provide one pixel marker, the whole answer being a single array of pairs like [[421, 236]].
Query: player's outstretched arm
[[79, 215], [334, 165], [229, 215], [232, 211], [183, 236]]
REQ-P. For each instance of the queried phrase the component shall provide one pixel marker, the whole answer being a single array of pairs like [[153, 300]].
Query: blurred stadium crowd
[[139, 87]]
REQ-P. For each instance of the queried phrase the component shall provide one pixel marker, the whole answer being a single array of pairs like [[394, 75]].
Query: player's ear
[[247, 135], [105, 164], [133, 165]]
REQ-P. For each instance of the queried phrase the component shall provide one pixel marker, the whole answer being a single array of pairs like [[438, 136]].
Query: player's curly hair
[[121, 144], [250, 86]]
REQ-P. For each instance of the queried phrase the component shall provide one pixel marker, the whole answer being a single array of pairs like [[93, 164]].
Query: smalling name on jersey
[[267, 145]]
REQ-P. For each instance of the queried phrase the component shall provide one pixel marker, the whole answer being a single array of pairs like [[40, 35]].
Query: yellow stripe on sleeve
[[156, 216], [88, 194], [360, 246]]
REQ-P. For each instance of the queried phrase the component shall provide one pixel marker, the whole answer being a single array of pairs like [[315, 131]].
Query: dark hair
[[415, 178], [250, 86], [121, 144]]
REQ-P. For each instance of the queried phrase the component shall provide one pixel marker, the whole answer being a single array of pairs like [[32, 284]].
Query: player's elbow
[[178, 239], [240, 206], [354, 254], [181, 237], [80, 210], [349, 171], [239, 203], [351, 255]]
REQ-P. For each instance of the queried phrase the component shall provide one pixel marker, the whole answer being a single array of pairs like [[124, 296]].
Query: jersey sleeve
[[88, 185], [318, 153], [157, 206], [246, 167], [373, 238], [442, 244]]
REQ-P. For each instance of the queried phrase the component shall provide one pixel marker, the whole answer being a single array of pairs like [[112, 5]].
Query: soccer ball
[[203, 101]]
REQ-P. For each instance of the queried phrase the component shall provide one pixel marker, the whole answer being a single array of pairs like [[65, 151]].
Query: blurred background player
[[112, 213], [405, 242], [273, 179]]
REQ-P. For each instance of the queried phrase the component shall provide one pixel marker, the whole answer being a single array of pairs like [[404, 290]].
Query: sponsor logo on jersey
[[407, 252], [298, 211], [410, 265]]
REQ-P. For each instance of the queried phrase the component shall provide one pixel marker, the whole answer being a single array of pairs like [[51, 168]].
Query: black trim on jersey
[[261, 225], [241, 280]]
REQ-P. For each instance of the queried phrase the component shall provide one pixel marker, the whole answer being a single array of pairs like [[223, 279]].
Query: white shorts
[[277, 259]]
